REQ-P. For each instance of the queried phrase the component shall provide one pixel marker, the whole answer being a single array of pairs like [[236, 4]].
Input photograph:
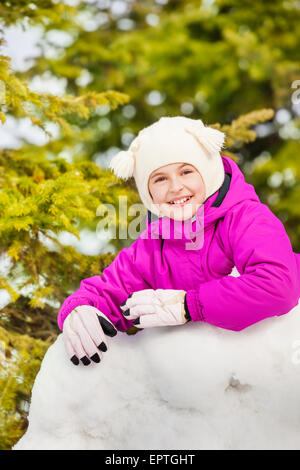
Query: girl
[[209, 220]]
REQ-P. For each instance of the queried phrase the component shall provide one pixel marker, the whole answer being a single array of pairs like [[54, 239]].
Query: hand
[[84, 334], [160, 307]]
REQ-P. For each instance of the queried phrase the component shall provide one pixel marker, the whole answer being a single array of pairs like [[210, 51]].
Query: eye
[[187, 171], [159, 179]]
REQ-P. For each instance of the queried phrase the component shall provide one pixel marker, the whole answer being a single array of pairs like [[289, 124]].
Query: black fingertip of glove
[[123, 303], [107, 327], [136, 321], [102, 347], [187, 313], [126, 313], [95, 358], [85, 361], [75, 360]]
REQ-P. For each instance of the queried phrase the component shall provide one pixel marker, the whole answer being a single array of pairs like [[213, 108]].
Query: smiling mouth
[[180, 202]]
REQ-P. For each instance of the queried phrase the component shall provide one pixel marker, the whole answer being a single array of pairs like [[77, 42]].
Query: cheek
[[199, 188], [157, 194]]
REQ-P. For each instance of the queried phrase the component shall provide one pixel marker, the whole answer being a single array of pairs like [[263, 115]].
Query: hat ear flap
[[211, 139], [122, 164]]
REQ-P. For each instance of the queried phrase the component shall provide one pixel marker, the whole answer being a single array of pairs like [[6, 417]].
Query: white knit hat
[[172, 140]]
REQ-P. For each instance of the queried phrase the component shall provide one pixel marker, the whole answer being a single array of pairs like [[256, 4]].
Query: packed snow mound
[[192, 386]]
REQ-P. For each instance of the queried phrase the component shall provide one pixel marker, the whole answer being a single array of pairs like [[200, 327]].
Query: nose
[[175, 185]]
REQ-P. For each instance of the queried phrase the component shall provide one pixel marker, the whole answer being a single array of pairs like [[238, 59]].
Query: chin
[[182, 214], [182, 217]]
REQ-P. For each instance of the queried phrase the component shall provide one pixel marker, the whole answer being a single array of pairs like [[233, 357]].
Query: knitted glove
[[84, 334], [160, 307]]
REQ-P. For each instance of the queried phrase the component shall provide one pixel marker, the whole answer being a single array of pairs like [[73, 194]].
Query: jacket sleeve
[[108, 291], [269, 281]]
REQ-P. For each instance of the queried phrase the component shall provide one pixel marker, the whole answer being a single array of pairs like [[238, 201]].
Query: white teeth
[[181, 201]]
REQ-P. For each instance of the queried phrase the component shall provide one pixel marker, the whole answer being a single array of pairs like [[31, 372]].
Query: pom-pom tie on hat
[[122, 164]]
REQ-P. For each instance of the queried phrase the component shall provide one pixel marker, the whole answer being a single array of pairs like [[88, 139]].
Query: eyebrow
[[162, 173]]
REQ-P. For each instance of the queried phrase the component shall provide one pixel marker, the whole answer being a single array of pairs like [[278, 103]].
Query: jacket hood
[[233, 191]]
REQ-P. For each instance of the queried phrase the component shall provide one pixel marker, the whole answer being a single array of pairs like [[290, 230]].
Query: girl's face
[[178, 189]]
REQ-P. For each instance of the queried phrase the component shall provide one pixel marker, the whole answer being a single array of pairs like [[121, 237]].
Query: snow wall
[[192, 386]]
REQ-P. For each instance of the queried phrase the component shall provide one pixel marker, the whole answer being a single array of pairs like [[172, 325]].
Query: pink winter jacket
[[238, 231]]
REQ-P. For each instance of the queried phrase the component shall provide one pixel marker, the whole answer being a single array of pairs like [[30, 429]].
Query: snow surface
[[192, 386]]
